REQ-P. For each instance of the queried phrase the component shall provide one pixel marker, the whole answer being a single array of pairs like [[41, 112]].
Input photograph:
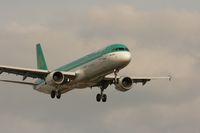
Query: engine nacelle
[[124, 84], [57, 78]]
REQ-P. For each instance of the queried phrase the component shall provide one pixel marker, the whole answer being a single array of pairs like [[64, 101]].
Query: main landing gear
[[56, 94]]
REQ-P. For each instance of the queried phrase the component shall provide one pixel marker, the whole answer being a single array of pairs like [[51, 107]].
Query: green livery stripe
[[41, 63], [93, 56]]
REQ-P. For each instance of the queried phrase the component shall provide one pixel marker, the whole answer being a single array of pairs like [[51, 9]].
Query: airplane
[[92, 70]]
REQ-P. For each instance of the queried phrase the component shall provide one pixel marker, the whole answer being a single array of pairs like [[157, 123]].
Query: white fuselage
[[91, 73]]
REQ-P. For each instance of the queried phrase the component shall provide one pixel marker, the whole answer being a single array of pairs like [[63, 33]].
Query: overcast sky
[[163, 37]]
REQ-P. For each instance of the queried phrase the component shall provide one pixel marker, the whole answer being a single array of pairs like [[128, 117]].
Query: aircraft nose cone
[[125, 58]]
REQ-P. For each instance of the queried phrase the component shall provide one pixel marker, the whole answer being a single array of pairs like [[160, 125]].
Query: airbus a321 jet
[[92, 70]]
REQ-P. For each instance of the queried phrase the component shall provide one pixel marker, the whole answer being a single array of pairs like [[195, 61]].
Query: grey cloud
[[165, 28], [157, 118], [162, 42]]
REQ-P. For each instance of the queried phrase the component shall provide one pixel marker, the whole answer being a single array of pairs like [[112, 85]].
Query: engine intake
[[124, 84], [57, 78]]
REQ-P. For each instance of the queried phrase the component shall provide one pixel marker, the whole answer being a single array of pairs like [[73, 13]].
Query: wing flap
[[33, 73], [19, 82]]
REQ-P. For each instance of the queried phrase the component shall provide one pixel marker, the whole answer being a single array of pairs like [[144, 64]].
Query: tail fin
[[41, 63]]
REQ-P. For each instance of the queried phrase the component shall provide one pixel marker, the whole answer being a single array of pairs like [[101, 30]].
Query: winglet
[[41, 62]]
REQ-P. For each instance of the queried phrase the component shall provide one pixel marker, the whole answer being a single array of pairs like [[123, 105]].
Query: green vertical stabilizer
[[41, 63]]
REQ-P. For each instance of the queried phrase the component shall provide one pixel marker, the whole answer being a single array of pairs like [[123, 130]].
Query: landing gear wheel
[[104, 98], [53, 94], [98, 98], [58, 95], [101, 96]]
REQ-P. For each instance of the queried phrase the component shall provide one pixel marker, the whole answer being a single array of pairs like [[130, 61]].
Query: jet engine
[[124, 84], [57, 78]]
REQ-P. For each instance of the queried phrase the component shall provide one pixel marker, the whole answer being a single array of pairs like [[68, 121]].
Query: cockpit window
[[120, 49]]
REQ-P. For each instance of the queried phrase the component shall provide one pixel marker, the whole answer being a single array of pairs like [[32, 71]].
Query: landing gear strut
[[116, 71], [56, 94]]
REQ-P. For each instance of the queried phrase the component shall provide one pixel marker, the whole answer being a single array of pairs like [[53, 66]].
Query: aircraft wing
[[19, 82], [136, 80], [33, 73]]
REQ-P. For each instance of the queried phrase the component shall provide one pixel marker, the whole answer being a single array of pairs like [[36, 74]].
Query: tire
[[104, 98], [98, 98], [53, 94], [58, 95]]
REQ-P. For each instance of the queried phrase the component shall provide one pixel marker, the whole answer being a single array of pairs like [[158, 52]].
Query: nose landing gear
[[101, 96], [103, 85]]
